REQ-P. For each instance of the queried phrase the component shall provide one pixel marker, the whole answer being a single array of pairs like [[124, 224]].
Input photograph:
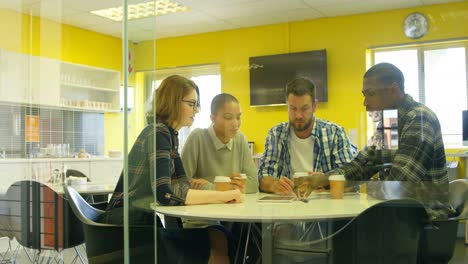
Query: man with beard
[[304, 144]]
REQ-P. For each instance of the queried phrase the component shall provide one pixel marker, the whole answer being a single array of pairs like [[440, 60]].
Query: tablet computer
[[276, 199]]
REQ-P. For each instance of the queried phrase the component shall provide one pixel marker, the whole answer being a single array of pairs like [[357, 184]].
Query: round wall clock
[[415, 25]]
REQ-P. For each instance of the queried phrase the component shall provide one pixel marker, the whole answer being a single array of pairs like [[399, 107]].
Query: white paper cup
[[337, 183], [222, 183]]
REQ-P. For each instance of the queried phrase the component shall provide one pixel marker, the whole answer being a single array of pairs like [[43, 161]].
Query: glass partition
[[231, 131]]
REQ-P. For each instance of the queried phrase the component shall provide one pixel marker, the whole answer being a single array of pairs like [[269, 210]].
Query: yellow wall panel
[[345, 38]]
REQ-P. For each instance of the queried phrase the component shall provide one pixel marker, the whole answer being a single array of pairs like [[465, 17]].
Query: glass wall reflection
[[232, 131]]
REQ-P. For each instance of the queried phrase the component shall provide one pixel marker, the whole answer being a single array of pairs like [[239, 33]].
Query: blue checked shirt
[[332, 149]]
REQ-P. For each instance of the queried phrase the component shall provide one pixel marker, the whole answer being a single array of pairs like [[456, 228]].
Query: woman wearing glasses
[[155, 168]]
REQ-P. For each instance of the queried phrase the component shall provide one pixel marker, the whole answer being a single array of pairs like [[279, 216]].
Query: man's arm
[[282, 186], [343, 151], [415, 152], [270, 161]]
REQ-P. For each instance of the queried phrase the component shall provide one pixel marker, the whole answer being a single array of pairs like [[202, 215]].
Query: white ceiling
[[205, 15]]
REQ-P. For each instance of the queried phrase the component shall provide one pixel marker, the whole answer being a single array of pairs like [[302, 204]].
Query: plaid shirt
[[419, 159], [171, 184], [332, 149]]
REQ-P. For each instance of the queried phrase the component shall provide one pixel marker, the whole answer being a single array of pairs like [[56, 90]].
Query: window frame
[[420, 49]]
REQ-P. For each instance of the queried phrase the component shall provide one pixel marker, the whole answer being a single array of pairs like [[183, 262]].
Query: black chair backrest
[[458, 197], [387, 232], [85, 212], [76, 173], [105, 242], [41, 217]]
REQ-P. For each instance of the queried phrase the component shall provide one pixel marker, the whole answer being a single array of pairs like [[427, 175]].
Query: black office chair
[[41, 219], [98, 201], [105, 242], [438, 238], [388, 232]]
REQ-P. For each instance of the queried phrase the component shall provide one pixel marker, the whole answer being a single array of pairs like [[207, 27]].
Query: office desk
[[89, 188], [321, 207]]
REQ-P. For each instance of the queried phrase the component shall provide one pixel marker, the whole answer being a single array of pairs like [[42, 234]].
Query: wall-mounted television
[[270, 74]]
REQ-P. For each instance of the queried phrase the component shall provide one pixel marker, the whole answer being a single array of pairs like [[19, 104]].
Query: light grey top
[[205, 156]]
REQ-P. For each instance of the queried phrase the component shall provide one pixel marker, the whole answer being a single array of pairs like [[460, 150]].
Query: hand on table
[[283, 186], [198, 183], [236, 182], [233, 196]]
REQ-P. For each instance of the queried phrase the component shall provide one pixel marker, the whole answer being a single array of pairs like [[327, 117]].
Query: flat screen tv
[[270, 74]]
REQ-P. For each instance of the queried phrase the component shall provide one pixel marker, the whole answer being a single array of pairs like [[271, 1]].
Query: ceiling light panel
[[142, 10]]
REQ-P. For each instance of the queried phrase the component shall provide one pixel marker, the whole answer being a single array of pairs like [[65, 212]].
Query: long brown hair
[[169, 97]]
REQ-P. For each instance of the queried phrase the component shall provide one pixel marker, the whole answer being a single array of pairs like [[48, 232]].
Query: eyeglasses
[[193, 104]]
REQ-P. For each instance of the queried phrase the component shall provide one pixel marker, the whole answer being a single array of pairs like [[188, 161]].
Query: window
[[208, 79], [435, 75], [130, 98]]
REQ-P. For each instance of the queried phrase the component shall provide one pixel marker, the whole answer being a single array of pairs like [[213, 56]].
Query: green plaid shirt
[[419, 159], [171, 185]]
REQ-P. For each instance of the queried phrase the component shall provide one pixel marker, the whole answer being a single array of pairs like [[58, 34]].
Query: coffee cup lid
[[242, 176], [300, 174], [222, 179], [337, 178]]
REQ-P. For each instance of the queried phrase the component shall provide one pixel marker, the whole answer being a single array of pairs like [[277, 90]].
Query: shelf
[[78, 108], [73, 85]]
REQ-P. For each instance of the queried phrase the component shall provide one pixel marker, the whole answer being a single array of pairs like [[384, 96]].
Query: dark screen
[[270, 74]]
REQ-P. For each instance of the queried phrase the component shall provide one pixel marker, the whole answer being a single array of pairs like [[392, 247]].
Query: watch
[[415, 25]]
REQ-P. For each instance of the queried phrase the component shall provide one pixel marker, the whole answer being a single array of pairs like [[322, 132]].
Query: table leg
[[466, 231], [247, 242], [239, 243], [267, 243]]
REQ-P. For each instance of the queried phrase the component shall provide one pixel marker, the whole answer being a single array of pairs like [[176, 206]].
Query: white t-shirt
[[301, 152]]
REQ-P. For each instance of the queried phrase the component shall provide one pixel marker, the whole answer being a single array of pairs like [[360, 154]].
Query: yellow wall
[[345, 38]]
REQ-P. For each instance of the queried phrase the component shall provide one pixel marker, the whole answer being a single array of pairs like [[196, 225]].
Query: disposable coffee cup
[[337, 183], [222, 183], [243, 179]]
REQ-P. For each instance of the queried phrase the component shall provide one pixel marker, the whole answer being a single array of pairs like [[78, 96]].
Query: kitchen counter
[[41, 160]]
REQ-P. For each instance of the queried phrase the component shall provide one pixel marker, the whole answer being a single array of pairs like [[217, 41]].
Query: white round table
[[319, 207]]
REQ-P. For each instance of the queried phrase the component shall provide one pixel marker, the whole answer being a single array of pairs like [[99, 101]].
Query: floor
[[10, 250], [460, 255]]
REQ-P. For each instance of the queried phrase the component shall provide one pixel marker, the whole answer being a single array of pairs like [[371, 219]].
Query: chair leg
[[29, 256], [4, 257], [78, 255], [246, 242]]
